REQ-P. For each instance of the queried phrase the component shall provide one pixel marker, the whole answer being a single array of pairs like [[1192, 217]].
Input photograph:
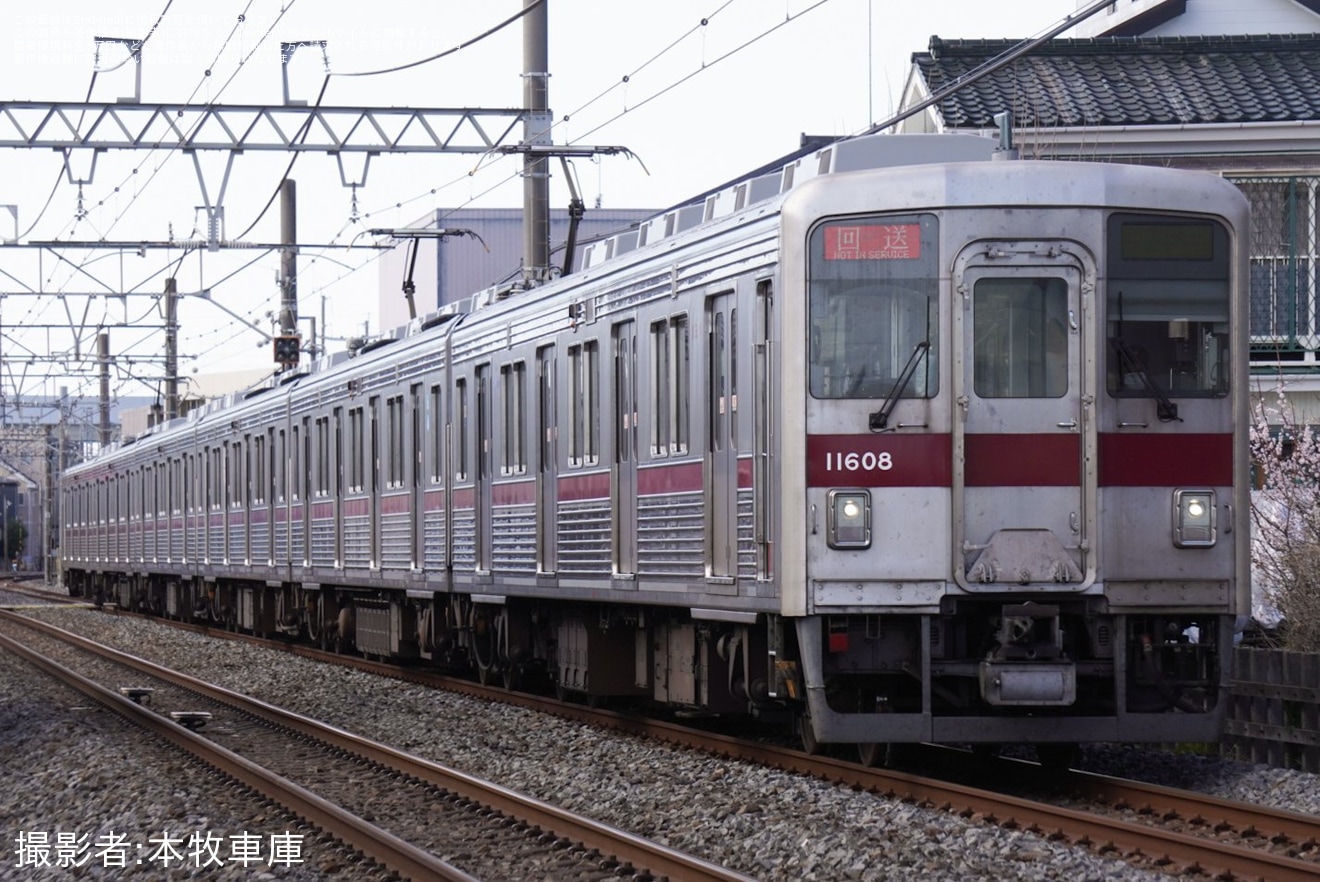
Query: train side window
[[337, 469], [873, 301], [374, 453], [279, 459], [236, 488], [303, 474], [295, 463], [575, 405], [394, 441], [661, 391], [681, 386], [260, 476], [461, 437], [548, 410], [584, 404], [513, 384], [243, 490], [356, 449], [214, 469], [322, 487], [733, 376], [437, 435], [1166, 307], [669, 386]]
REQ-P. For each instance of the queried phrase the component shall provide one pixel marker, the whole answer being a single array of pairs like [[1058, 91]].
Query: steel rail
[[1080, 827], [380, 845], [629, 848], [1267, 822]]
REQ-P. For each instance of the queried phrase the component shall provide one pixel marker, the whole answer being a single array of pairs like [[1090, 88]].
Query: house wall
[[1203, 17]]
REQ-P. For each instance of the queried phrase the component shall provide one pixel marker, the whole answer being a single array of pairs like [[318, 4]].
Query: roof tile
[[1121, 81]]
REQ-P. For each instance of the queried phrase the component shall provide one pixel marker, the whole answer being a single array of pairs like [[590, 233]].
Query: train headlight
[[849, 519], [1193, 518]]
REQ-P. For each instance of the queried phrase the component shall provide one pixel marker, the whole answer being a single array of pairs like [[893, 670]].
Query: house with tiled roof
[[1215, 85]]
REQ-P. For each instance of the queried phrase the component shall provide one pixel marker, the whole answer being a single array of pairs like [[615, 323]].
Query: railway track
[[24, 590], [339, 781], [1173, 831]]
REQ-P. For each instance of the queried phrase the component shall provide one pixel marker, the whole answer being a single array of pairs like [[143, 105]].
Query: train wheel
[[874, 753], [808, 735], [1057, 757], [512, 678]]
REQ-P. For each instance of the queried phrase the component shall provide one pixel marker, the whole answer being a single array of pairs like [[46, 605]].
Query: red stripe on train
[[1024, 460], [579, 487], [399, 503], [669, 478], [1148, 460], [513, 493], [745, 475], [879, 460]]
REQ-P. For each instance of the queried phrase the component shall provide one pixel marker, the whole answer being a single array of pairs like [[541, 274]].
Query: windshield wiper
[[880, 419], [1165, 409]]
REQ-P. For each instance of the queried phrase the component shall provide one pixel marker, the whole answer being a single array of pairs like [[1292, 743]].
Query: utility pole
[[50, 511], [288, 345], [536, 133], [103, 358], [171, 349], [289, 257]]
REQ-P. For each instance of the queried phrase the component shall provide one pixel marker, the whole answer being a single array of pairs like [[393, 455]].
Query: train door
[[274, 489], [337, 465], [547, 474], [1024, 440], [373, 483], [303, 476], [721, 467], [416, 469], [764, 415], [624, 478], [484, 464]]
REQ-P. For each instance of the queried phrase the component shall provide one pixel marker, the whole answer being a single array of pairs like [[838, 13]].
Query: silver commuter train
[[906, 442]]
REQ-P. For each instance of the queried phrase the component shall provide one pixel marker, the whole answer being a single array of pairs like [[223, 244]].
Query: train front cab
[[1024, 426]]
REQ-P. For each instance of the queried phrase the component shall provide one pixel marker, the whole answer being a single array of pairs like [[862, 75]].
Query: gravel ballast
[[767, 824]]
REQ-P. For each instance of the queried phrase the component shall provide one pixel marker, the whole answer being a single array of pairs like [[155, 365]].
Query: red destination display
[[873, 242]]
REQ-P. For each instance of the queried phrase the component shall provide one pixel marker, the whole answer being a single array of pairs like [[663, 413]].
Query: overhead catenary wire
[[239, 329], [142, 188], [240, 19]]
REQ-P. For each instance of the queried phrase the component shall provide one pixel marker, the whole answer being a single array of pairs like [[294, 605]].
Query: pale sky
[[701, 103]]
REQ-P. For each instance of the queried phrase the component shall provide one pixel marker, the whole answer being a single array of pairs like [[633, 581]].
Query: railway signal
[[287, 348]]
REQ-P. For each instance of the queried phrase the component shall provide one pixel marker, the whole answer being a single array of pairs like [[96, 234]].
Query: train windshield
[[1166, 301], [873, 307]]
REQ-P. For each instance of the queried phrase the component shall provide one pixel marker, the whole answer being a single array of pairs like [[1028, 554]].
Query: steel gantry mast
[[83, 130]]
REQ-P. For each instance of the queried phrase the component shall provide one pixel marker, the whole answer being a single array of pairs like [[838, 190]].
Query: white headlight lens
[[849, 519], [1194, 518]]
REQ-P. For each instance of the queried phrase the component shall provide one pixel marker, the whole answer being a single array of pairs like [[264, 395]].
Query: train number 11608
[[869, 461]]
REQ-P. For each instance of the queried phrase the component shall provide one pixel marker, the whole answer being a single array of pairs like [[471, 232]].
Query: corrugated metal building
[[450, 269]]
